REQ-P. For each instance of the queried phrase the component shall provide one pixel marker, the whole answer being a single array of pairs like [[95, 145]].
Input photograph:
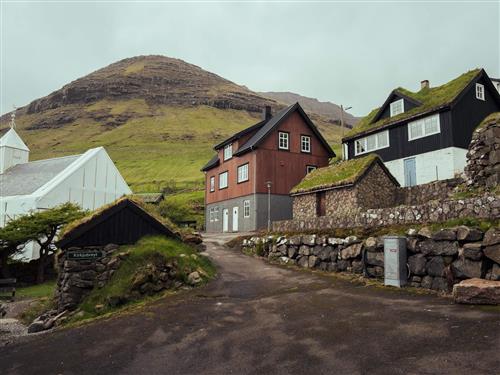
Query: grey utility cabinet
[[395, 270]]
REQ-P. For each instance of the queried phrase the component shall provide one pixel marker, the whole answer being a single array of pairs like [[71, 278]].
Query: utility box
[[395, 270]]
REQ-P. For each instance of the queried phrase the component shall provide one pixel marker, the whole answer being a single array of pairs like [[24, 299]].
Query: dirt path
[[260, 319]]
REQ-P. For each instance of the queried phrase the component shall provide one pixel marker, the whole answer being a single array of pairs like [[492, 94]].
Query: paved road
[[261, 319]]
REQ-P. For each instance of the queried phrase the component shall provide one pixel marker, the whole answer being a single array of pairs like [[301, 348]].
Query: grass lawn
[[184, 206], [37, 291]]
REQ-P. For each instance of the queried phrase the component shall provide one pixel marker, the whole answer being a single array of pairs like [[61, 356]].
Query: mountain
[[157, 117], [330, 112]]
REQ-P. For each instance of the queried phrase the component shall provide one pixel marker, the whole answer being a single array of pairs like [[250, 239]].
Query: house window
[[480, 91], [216, 213], [246, 208], [423, 127], [212, 184], [243, 173], [305, 143], [310, 168], [397, 107], [223, 180], [345, 148], [283, 141], [228, 151], [371, 143]]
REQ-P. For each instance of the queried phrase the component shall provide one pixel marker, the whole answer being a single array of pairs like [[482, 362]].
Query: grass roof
[[431, 98], [341, 173]]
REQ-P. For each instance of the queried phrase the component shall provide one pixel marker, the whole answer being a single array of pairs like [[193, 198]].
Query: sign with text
[[85, 255]]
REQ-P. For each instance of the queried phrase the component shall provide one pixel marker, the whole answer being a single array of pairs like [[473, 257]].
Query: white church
[[90, 180]]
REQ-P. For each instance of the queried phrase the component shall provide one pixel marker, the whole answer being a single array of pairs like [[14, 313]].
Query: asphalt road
[[261, 319]]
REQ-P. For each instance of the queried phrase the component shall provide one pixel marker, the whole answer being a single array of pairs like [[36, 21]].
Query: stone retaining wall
[[421, 194], [435, 260], [486, 207]]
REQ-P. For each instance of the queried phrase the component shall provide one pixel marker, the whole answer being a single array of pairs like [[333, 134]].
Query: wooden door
[[321, 203]]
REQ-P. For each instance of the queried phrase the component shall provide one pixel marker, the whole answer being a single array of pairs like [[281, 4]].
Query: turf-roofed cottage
[[423, 136], [344, 188], [254, 170]]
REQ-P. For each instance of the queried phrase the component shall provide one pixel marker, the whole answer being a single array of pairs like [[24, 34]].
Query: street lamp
[[268, 184]]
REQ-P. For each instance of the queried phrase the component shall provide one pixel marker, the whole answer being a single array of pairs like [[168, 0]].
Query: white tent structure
[[90, 180]]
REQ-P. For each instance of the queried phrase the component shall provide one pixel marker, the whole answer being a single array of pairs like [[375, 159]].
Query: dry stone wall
[[421, 194], [435, 260]]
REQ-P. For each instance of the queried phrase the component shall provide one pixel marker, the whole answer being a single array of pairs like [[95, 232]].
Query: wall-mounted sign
[[85, 254]]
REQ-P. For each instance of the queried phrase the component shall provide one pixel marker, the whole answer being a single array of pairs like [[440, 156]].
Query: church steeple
[[13, 150]]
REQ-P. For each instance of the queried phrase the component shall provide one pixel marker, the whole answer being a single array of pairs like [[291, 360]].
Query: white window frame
[[228, 151], [246, 207], [305, 140], [216, 213], [421, 123], [211, 214], [283, 141], [345, 149], [212, 184], [243, 173], [393, 105], [364, 143], [310, 168], [480, 91], [221, 185]]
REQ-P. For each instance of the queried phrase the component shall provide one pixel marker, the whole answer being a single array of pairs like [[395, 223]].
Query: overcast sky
[[347, 53]]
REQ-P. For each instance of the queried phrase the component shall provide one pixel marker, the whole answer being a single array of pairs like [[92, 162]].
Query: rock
[[466, 268], [357, 266], [411, 244], [492, 237], [375, 259], [98, 308], [440, 284], [469, 234], [426, 282], [115, 301], [431, 247], [477, 291], [316, 250], [335, 241], [303, 261], [304, 250], [313, 261], [371, 244], [435, 266], [309, 240], [411, 232], [472, 250], [292, 251], [425, 232], [375, 271], [417, 264], [325, 254], [295, 240], [194, 278], [352, 251], [492, 252], [36, 326], [342, 265], [3, 310], [282, 249], [350, 240], [445, 235], [416, 279], [110, 247], [332, 267], [494, 273]]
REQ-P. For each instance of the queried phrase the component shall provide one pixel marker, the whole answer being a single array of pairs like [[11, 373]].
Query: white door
[[235, 219], [225, 220]]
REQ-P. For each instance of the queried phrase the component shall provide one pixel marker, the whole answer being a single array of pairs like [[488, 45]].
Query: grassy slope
[[156, 147], [184, 206]]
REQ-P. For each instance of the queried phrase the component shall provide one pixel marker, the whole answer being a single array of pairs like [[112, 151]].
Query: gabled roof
[[25, 179], [340, 174], [80, 227], [214, 162], [432, 99], [390, 99], [240, 134], [10, 138]]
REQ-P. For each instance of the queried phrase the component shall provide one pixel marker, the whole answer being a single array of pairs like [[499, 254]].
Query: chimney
[[424, 84], [266, 113]]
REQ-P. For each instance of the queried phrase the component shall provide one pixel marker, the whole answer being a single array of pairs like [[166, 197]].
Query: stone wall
[[486, 206], [304, 206], [376, 190], [483, 157], [435, 260], [421, 194]]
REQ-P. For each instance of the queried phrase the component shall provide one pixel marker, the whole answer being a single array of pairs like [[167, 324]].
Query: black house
[[424, 136], [122, 223]]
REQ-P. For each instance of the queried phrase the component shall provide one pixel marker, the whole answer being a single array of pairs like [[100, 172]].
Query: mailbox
[[395, 261]]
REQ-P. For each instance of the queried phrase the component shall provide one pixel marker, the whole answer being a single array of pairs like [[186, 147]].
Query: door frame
[[225, 220], [236, 212], [407, 177]]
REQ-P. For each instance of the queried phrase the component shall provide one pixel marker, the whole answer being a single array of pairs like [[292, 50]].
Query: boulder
[[417, 264], [477, 291], [295, 240], [36, 326], [494, 273], [316, 250], [435, 266], [491, 237], [304, 250], [332, 267], [313, 261], [292, 251], [357, 266], [492, 252], [325, 253], [309, 240], [440, 284], [446, 234], [342, 265], [472, 251], [350, 240], [335, 241], [375, 259], [352, 251], [371, 244], [194, 278], [412, 232], [426, 282], [425, 232], [411, 244], [303, 261], [431, 247], [469, 234], [466, 269], [282, 249], [375, 271]]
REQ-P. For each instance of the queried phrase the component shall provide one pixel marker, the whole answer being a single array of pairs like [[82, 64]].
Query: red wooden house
[[249, 180]]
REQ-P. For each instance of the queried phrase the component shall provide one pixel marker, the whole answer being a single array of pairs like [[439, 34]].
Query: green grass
[[429, 97], [158, 146], [147, 250], [337, 174], [184, 206], [37, 291]]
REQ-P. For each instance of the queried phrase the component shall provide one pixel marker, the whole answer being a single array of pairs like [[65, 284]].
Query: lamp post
[[268, 184]]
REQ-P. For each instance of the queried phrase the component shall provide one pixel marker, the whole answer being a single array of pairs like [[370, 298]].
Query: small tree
[[12, 241], [42, 227]]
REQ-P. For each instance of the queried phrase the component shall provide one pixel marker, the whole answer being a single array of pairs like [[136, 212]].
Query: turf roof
[[341, 173], [431, 98]]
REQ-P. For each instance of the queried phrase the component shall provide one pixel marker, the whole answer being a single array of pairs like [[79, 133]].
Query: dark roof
[[275, 121], [432, 100], [240, 134], [79, 228], [340, 174], [24, 179], [495, 79], [214, 162]]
